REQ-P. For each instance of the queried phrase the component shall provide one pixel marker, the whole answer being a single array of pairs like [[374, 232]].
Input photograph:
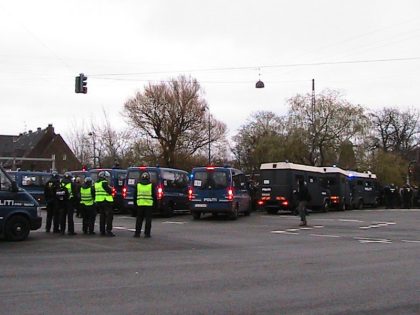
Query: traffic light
[[81, 84]]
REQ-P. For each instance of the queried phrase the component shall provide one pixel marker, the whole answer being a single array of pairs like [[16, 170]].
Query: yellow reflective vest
[[86, 196], [100, 193], [144, 195]]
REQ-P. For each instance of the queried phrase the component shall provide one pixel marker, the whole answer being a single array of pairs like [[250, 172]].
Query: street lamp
[[207, 108], [92, 134]]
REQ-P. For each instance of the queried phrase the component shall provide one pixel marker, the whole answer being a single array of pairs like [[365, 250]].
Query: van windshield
[[213, 179], [134, 176]]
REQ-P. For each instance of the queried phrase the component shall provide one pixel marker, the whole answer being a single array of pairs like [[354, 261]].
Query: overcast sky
[[226, 45]]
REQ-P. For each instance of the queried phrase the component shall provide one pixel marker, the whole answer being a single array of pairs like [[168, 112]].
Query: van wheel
[[17, 228], [343, 206], [196, 215], [360, 204]]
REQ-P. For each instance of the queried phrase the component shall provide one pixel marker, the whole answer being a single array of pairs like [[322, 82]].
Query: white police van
[[19, 211]]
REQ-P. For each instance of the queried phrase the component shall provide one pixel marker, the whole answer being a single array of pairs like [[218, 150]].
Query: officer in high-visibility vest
[[145, 200], [88, 208], [66, 208], [104, 202]]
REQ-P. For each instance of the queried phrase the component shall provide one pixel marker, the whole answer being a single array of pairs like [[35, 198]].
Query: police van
[[218, 190], [279, 183], [171, 187], [364, 189], [19, 211], [33, 182]]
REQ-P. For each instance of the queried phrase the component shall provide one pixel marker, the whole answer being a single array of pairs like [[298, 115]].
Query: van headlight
[[38, 211]]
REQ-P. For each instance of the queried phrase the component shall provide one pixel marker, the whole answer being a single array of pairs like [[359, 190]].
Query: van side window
[[237, 181], [5, 183], [168, 178], [181, 180], [28, 180]]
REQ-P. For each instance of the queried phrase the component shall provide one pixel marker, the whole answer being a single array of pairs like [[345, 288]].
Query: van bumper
[[225, 207], [36, 223]]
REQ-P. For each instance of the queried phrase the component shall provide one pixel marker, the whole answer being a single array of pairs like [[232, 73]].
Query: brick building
[[42, 143]]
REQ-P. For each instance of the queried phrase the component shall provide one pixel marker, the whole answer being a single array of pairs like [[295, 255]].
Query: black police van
[[171, 188], [365, 191], [279, 183], [219, 190], [19, 211], [352, 190]]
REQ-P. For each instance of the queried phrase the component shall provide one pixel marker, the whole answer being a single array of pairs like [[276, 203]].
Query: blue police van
[[171, 188], [19, 211], [218, 190], [33, 182]]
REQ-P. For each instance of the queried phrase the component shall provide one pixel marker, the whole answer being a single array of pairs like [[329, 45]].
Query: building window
[[64, 157]]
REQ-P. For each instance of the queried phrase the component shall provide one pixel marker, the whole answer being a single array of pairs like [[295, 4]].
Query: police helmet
[[88, 180], [145, 176], [67, 175], [104, 175], [54, 175]]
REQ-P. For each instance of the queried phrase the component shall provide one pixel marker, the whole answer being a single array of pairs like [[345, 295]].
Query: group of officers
[[64, 196], [404, 197]]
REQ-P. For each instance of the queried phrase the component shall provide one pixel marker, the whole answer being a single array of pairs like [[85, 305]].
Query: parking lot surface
[[352, 262]]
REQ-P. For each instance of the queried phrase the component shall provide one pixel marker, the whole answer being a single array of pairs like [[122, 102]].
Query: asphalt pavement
[[352, 262]]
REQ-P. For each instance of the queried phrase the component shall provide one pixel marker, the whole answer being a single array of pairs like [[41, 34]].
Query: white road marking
[[325, 235], [174, 222], [284, 232], [318, 226], [350, 220], [305, 228], [410, 241], [124, 228], [365, 240], [292, 230]]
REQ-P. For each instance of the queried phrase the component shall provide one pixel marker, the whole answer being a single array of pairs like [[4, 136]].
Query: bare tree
[[173, 114], [396, 131], [327, 124]]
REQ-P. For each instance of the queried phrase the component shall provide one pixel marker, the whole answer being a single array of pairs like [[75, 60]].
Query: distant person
[[145, 201], [104, 202], [88, 207], [303, 197], [53, 214], [407, 197]]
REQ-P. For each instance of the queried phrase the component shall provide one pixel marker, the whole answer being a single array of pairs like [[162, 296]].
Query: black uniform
[[53, 214], [303, 197], [67, 208]]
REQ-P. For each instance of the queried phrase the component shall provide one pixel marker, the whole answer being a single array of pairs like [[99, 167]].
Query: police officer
[[53, 215], [67, 210], [88, 208], [303, 198], [104, 202], [145, 200]]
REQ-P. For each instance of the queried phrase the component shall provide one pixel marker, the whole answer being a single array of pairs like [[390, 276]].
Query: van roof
[[290, 166]]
